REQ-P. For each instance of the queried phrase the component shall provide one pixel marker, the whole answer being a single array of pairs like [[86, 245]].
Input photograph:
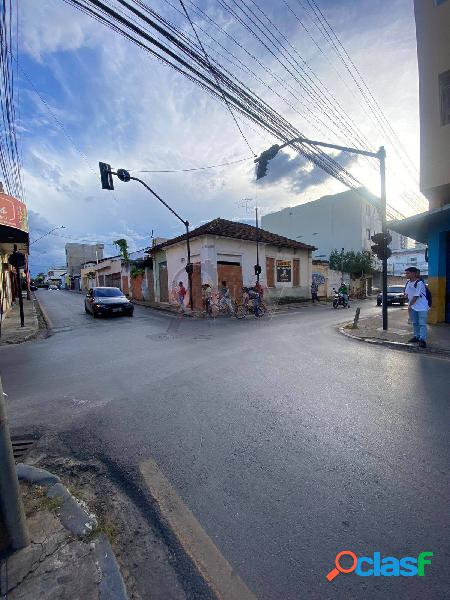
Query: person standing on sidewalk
[[417, 305], [314, 291], [181, 295]]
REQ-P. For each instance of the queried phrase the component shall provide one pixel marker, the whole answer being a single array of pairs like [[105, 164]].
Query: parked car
[[105, 301], [53, 287], [33, 287], [395, 295]]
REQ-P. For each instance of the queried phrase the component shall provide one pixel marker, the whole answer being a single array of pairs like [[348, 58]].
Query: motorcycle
[[340, 300]]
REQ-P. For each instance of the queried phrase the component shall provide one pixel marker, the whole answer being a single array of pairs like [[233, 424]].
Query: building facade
[[76, 256], [346, 220], [433, 227], [409, 257], [224, 250], [13, 233]]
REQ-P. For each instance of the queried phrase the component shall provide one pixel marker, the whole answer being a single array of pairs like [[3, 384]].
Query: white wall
[[398, 262], [433, 53], [337, 221]]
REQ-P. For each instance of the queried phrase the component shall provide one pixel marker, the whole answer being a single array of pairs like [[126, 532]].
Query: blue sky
[[101, 98]]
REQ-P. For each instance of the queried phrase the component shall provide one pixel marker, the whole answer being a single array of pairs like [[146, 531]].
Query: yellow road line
[[211, 564]]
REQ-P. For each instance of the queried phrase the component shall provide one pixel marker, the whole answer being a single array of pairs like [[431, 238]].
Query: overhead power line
[[194, 66], [224, 164]]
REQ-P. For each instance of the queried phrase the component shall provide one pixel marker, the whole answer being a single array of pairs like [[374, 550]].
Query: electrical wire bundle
[[302, 90], [10, 158]]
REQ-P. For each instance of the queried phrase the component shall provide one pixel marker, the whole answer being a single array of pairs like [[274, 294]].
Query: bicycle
[[216, 308], [251, 306]]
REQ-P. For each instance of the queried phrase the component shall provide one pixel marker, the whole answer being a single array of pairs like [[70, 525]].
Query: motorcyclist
[[343, 291]]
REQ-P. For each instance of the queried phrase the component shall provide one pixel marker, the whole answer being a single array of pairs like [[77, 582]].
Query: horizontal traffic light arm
[[267, 155]]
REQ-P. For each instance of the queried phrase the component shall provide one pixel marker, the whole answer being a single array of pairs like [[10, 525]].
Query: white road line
[[212, 565]]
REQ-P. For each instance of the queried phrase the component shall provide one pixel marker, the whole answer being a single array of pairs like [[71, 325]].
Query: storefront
[[13, 234]]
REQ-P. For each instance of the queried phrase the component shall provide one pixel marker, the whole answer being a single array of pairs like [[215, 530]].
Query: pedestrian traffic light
[[382, 241], [106, 176], [257, 269], [189, 268], [263, 159]]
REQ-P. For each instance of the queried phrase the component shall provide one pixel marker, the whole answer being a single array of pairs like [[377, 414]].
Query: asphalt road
[[287, 441]]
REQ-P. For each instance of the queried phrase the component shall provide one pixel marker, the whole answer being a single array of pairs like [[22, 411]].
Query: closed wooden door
[[163, 283]]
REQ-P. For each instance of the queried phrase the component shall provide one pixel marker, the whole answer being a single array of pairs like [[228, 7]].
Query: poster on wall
[[284, 271]]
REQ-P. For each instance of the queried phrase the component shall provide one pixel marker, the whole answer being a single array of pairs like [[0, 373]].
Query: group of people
[[255, 293]]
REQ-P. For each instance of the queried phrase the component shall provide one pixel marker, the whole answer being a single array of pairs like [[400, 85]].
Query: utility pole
[[107, 184], [257, 266], [261, 171], [11, 505], [382, 159], [342, 263]]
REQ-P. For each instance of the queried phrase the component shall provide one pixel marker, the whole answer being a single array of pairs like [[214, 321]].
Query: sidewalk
[[370, 329], [272, 306], [68, 556], [11, 331]]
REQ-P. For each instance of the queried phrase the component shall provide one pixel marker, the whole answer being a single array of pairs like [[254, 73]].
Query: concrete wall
[[337, 221], [402, 259], [78, 254], [433, 53]]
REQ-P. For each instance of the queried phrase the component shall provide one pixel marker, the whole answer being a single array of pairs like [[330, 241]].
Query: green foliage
[[136, 272], [122, 244], [90, 275], [40, 278], [355, 263]]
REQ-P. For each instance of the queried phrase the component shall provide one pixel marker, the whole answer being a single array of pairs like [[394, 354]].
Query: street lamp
[[267, 155], [107, 184], [48, 233]]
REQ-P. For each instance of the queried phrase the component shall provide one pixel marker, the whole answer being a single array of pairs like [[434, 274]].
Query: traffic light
[[263, 159], [189, 268], [106, 176], [257, 269], [382, 241]]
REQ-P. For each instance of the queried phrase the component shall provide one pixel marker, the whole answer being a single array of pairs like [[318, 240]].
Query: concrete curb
[[435, 352], [76, 518], [44, 314]]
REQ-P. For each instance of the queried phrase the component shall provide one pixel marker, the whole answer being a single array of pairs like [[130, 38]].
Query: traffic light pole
[[185, 223], [107, 184], [382, 159], [257, 246], [269, 154]]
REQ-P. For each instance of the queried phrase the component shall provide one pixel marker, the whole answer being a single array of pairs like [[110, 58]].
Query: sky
[[88, 95]]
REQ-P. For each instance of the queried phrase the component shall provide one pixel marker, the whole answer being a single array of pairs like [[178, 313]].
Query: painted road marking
[[211, 564]]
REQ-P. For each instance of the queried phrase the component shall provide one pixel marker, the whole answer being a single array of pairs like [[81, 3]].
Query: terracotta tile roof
[[239, 231]]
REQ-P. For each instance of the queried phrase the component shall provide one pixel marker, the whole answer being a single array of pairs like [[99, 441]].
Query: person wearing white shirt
[[418, 305]]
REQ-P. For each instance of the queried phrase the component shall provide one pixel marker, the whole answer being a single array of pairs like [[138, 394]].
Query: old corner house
[[223, 250]]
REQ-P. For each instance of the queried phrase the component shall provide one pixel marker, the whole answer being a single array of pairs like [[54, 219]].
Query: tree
[[355, 263], [40, 278], [122, 244]]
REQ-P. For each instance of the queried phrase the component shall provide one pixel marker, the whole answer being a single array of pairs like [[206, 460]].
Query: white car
[[53, 287]]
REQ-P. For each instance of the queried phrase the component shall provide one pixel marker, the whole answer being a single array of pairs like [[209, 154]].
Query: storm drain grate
[[21, 447]]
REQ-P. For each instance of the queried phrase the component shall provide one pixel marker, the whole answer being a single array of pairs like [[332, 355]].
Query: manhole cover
[[21, 447]]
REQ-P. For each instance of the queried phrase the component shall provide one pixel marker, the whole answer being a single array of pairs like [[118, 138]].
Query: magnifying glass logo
[[339, 568]]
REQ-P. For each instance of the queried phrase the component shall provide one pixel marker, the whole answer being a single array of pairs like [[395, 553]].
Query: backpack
[[427, 292]]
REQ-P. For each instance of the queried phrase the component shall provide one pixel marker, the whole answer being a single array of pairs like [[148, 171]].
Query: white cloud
[[49, 26]]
